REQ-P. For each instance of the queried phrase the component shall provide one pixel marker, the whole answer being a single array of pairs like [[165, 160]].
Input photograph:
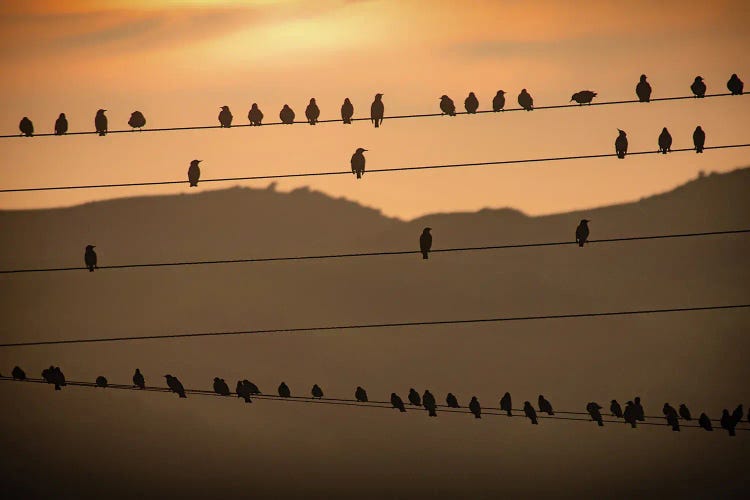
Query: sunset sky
[[179, 61]]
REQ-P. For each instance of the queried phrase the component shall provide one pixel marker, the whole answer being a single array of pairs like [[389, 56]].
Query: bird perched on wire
[[447, 106], [101, 122], [316, 391], [137, 120], [615, 409], [358, 162], [397, 402], [425, 243], [360, 395], [525, 100], [138, 380], [582, 232], [593, 409], [194, 173], [699, 139], [621, 144], [18, 373], [347, 111], [377, 110], [498, 102], [47, 375], [545, 406], [705, 422], [639, 412], [255, 115], [727, 422], [698, 87], [89, 258], [685, 412], [220, 387], [530, 412], [243, 391], [583, 97], [101, 381], [506, 404], [61, 125], [286, 115], [175, 385], [251, 387], [475, 407], [429, 403], [643, 90], [312, 112], [451, 401], [26, 127], [665, 141], [471, 103], [225, 117], [630, 414], [737, 414], [671, 415], [58, 377], [735, 85], [414, 398], [284, 391]]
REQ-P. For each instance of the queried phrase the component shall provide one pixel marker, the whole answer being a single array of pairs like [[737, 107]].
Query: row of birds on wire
[[377, 109], [631, 414]]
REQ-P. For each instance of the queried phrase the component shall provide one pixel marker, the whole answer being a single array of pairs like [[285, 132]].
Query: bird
[[100, 122], [735, 85], [138, 380], [101, 381], [699, 139], [425, 243], [47, 375], [643, 90], [705, 422], [582, 232], [545, 406], [137, 120], [312, 112], [18, 373], [26, 127], [225, 117], [360, 395], [525, 100], [428, 401], [251, 388], [220, 387], [685, 412], [286, 115], [498, 102], [451, 401], [737, 414], [727, 422], [175, 385], [583, 97], [698, 87], [194, 173], [593, 409], [284, 391], [506, 404], [58, 377], [630, 414], [242, 391], [665, 141], [475, 407], [90, 258], [671, 415], [471, 103], [397, 402], [61, 125], [377, 110], [615, 409], [347, 111], [358, 163], [447, 106], [530, 412], [316, 391], [621, 144], [255, 115], [414, 398], [640, 414]]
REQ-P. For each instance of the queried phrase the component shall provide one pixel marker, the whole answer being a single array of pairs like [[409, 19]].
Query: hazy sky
[[179, 61]]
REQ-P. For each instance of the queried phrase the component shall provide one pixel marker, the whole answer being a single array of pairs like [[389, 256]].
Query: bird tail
[[377, 123], [621, 155], [477, 415], [91, 269], [509, 414], [402, 409], [731, 432], [664, 151], [425, 255], [580, 243], [534, 422], [600, 423], [359, 175], [698, 150], [193, 184]]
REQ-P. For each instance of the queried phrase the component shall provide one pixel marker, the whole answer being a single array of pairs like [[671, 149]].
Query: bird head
[[471, 94], [622, 132], [643, 78], [378, 96], [443, 97], [312, 100], [90, 247], [286, 106], [360, 151], [573, 97], [734, 76], [501, 92], [523, 91], [254, 106], [585, 221], [225, 108], [195, 162], [698, 78], [99, 112], [167, 376], [62, 115], [637, 399], [346, 100], [427, 230]]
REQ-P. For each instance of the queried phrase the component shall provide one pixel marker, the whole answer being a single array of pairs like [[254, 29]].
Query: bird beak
[[364, 149]]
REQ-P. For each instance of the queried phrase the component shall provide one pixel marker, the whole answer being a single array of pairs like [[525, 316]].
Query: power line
[[363, 326], [344, 172], [394, 117], [375, 254]]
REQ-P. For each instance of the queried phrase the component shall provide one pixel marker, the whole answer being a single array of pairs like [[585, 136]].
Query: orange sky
[[178, 61]]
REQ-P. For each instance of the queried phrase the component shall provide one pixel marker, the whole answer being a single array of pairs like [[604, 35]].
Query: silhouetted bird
[[451, 401], [643, 90], [286, 115], [498, 102], [735, 85], [312, 112], [358, 163], [665, 141], [251, 388], [615, 408], [698, 87], [26, 127], [506, 404], [471, 103], [545, 406], [621, 144], [414, 398], [699, 139], [530, 412], [705, 422], [425, 242], [447, 106], [671, 415], [194, 173], [284, 391], [101, 381], [582, 232], [428, 400], [737, 414], [100, 122], [360, 395], [316, 391], [175, 385], [347, 111], [684, 412], [255, 115], [630, 414], [18, 373], [61, 124], [397, 402], [525, 100], [47, 375], [639, 413], [90, 258], [137, 120], [243, 391], [58, 377], [377, 110], [583, 97], [138, 380], [593, 409], [220, 387], [727, 422], [475, 407], [225, 117]]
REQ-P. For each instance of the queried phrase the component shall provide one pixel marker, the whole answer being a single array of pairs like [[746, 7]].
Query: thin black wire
[[374, 254], [369, 404], [394, 117], [344, 172], [374, 325]]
